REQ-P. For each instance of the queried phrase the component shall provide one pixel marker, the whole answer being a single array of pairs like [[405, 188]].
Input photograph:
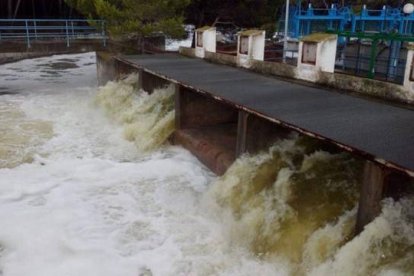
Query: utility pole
[[285, 41], [16, 9], [9, 8]]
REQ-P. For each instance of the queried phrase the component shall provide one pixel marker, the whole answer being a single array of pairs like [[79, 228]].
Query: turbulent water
[[89, 186], [148, 119]]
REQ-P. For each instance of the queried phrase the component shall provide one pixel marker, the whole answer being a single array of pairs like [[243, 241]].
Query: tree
[[244, 13], [136, 17]]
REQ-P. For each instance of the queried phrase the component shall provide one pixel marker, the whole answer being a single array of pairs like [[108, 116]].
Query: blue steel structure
[[387, 22], [305, 21], [31, 30]]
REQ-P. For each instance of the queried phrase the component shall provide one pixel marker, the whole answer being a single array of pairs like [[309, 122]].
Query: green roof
[[318, 37], [251, 32], [202, 29]]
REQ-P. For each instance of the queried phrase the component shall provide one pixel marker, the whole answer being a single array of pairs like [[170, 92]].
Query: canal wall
[[17, 56], [12, 51]]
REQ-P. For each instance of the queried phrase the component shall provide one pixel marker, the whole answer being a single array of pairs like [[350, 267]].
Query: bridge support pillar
[[255, 134], [149, 82], [106, 67], [379, 182], [206, 127], [241, 144], [372, 191]]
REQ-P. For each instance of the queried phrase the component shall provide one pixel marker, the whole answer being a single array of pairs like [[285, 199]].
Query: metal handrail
[[47, 29]]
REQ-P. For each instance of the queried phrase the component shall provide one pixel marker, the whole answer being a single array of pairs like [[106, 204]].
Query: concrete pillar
[[372, 192], [205, 40], [105, 67], [123, 69], [194, 110], [409, 72], [255, 134], [206, 127], [250, 46], [140, 74], [241, 143], [378, 183], [317, 53], [149, 82]]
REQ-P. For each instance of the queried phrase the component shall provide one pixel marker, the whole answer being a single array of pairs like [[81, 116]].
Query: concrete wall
[[327, 55], [16, 56], [408, 80], [76, 46], [207, 127], [342, 82], [106, 68], [221, 58], [189, 52], [109, 68]]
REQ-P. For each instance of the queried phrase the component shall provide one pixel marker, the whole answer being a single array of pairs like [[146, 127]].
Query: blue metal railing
[[305, 21], [31, 30]]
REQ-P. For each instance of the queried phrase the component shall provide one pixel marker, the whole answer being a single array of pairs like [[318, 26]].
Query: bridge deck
[[381, 132]]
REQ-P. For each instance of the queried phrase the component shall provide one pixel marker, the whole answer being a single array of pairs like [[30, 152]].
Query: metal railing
[[374, 55], [274, 54], [309, 20], [358, 63], [30, 30]]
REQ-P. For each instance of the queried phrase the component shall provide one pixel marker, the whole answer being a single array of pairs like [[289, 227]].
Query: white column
[[409, 72], [250, 46], [317, 53], [205, 41]]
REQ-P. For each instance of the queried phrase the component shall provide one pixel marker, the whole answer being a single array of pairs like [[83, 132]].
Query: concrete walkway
[[380, 132]]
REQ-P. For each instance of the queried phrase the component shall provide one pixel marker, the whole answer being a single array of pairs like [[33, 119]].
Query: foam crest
[[283, 199], [20, 135], [385, 247], [148, 119]]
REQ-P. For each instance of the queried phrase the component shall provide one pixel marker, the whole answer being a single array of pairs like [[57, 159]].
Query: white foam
[[91, 204]]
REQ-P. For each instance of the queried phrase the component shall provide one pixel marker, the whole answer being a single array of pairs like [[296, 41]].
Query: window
[[199, 39], [412, 70], [309, 52], [244, 45]]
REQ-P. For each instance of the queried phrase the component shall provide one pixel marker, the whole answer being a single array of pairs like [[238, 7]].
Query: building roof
[[205, 28], [251, 32], [318, 37]]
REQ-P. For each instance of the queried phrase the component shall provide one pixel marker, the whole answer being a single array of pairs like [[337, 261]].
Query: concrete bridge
[[222, 112]]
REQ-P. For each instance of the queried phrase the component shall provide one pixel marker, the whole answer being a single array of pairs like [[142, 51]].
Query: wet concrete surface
[[214, 146]]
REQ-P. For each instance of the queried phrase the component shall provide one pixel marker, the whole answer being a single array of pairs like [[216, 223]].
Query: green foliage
[[140, 17], [245, 13], [85, 6]]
